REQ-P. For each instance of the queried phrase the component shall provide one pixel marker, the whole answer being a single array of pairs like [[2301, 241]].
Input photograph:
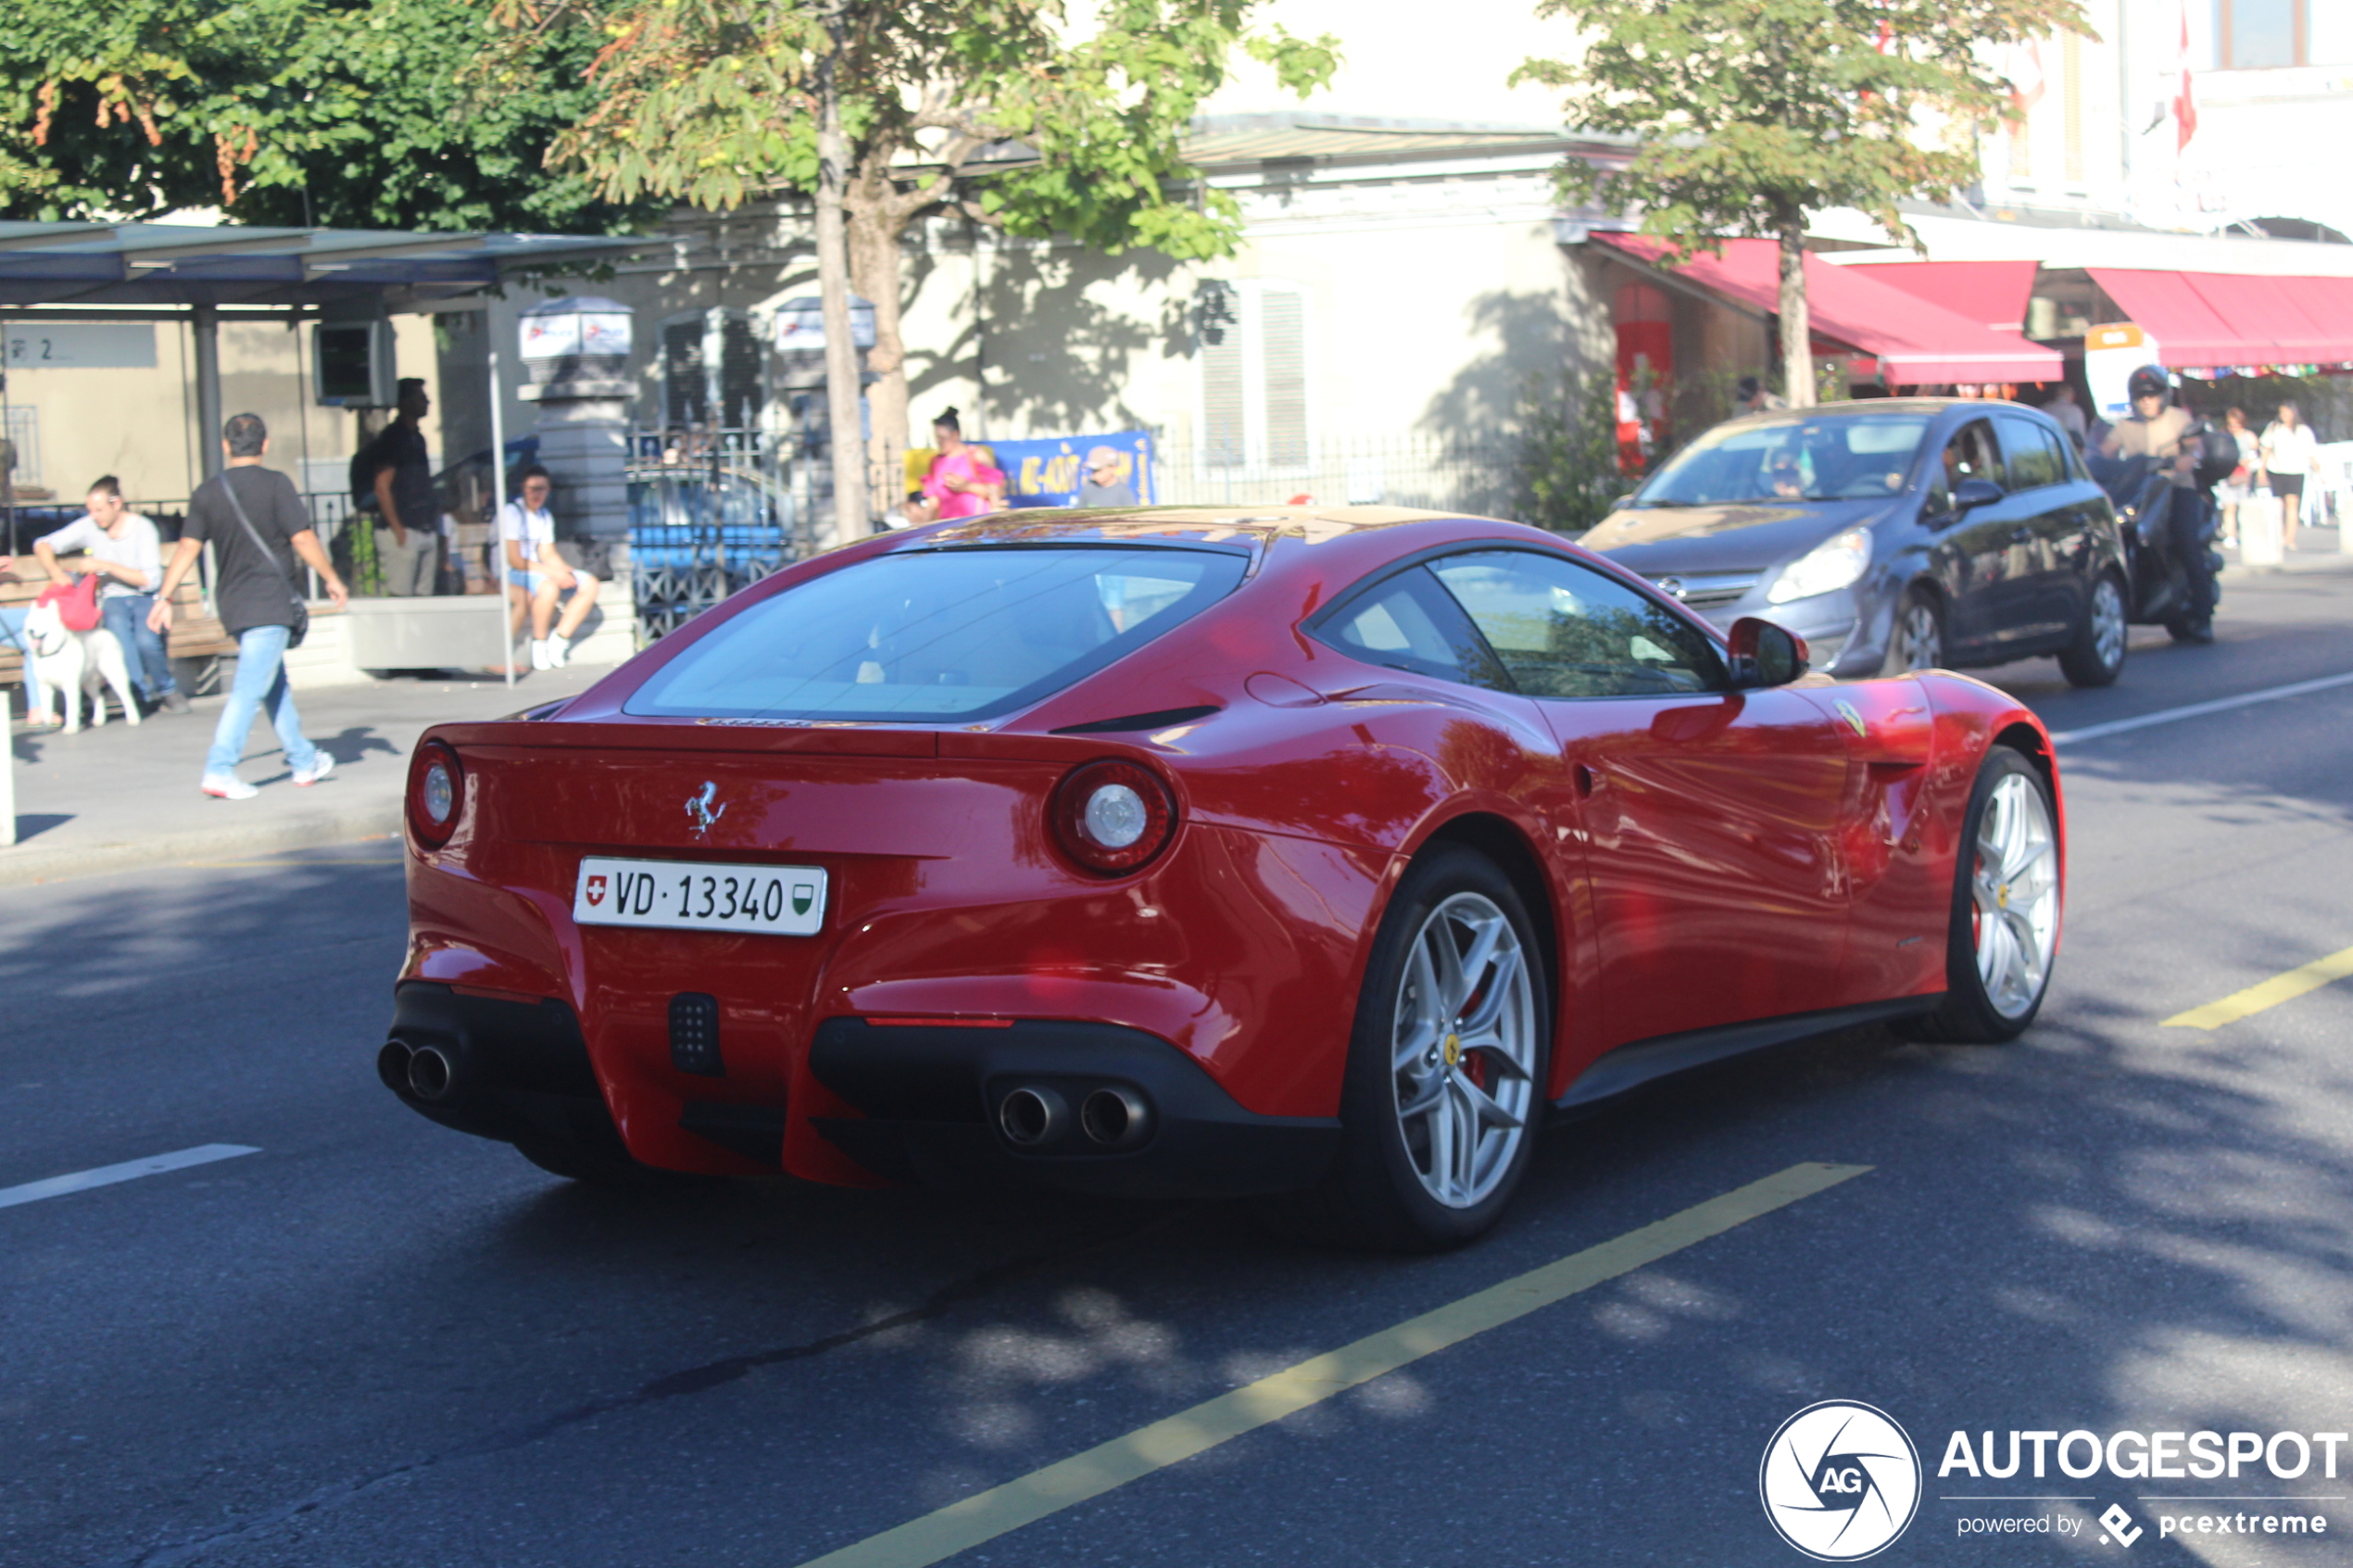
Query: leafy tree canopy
[[1001, 109], [1753, 113], [342, 113]]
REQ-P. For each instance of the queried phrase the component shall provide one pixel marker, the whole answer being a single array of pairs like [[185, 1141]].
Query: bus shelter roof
[[145, 267]]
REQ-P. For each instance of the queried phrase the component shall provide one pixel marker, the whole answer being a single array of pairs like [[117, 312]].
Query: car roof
[[1252, 528], [1857, 407]]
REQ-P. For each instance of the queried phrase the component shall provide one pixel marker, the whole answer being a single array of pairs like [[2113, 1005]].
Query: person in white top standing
[[537, 576], [2290, 452], [123, 547]]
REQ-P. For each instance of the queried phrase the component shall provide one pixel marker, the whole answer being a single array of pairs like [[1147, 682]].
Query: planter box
[[459, 632]]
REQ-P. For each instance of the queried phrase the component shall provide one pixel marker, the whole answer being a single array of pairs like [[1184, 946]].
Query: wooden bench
[[195, 633]]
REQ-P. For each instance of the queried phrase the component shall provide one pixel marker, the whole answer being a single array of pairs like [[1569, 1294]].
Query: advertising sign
[[1049, 473], [2111, 355], [81, 346]]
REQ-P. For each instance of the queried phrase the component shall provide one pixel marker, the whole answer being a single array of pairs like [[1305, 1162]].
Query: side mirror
[[1765, 655], [1975, 493]]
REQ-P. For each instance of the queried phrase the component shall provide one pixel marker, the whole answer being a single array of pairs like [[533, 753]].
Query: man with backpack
[[258, 527], [398, 473]]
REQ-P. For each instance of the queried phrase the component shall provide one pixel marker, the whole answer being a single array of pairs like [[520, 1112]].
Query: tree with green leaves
[[1753, 113], [888, 110], [338, 113]]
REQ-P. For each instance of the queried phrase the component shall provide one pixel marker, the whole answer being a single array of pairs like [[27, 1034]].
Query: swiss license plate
[[697, 896]]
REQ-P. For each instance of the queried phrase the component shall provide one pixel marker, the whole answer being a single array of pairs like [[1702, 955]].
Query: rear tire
[[1916, 640], [2096, 656], [2003, 931], [1445, 1086]]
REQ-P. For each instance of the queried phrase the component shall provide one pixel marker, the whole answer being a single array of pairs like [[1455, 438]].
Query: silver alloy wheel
[[1463, 1050], [1922, 639], [2014, 892], [2107, 623]]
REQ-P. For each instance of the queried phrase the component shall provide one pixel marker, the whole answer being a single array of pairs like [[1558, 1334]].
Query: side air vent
[[1157, 721]]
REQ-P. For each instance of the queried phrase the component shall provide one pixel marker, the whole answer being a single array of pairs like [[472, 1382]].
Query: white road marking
[[2197, 709], [129, 1169]]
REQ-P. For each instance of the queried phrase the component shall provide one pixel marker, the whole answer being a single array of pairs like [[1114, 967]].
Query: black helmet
[[2149, 380]]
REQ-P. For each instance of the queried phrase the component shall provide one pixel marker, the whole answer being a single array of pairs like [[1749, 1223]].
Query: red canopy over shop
[[2221, 318], [1919, 339]]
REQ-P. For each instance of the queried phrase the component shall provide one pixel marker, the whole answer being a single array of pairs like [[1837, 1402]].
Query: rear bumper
[[521, 1071], [931, 1097]]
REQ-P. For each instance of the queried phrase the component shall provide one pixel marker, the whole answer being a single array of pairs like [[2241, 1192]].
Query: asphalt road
[[376, 1342]]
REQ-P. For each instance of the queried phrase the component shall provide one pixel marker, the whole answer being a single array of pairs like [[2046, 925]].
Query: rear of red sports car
[[1073, 852], [886, 913]]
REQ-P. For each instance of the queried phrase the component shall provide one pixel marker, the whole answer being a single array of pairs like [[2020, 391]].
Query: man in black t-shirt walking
[[258, 527]]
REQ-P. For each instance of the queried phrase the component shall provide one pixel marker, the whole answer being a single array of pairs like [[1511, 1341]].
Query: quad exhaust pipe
[[428, 1072], [1032, 1115], [1110, 1117]]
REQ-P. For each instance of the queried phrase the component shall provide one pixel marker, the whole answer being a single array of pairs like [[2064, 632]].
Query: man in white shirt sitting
[[537, 576], [124, 549]]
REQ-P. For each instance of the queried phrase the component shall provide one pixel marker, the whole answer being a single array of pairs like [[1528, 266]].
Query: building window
[[2259, 34], [713, 373], [1254, 351]]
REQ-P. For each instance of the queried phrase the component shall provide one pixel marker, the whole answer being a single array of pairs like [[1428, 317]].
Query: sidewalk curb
[[260, 834]]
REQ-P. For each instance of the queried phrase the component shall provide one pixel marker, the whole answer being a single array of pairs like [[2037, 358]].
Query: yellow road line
[[989, 1515], [2269, 994]]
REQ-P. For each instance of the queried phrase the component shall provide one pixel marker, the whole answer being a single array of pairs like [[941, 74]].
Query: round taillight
[[1112, 817], [437, 794]]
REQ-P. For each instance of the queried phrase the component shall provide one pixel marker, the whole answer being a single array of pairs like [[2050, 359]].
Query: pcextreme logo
[[1840, 1481]]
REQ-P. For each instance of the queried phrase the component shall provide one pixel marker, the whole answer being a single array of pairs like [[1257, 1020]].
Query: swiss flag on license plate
[[596, 890]]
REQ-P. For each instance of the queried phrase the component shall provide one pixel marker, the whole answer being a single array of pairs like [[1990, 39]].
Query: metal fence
[[712, 512]]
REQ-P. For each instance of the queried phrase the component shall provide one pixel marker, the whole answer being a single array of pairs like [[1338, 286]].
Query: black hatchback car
[[1892, 534]]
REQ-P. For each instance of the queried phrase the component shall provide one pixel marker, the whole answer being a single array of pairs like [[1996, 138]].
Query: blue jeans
[[261, 679], [12, 631], [126, 616]]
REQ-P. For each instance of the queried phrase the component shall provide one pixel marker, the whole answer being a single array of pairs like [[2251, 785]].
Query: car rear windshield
[[932, 636], [1809, 457]]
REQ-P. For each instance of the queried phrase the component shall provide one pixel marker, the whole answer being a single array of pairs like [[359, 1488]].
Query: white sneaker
[[539, 655], [228, 786], [319, 768], [558, 652]]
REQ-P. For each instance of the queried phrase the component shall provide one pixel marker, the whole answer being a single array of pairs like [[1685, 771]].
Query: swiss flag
[[596, 890]]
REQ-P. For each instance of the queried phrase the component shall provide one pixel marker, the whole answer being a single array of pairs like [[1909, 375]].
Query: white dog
[[73, 663]]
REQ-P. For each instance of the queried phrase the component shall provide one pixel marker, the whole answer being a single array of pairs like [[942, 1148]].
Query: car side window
[[1408, 622], [2034, 459], [1973, 455], [1563, 630]]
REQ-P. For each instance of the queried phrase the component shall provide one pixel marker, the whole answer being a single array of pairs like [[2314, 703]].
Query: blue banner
[[1049, 473]]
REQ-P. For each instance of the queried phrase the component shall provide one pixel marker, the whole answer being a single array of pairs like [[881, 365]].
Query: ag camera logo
[[1840, 1481]]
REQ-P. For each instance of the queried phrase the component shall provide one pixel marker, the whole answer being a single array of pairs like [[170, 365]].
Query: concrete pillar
[[206, 319], [584, 444]]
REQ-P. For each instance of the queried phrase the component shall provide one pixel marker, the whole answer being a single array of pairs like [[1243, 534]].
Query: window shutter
[[1223, 437], [684, 396], [741, 385], [1283, 351]]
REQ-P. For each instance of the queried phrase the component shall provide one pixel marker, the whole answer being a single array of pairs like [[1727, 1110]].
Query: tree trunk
[[1797, 331], [851, 516], [875, 272]]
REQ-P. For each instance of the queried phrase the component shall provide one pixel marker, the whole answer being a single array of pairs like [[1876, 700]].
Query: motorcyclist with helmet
[[2171, 435]]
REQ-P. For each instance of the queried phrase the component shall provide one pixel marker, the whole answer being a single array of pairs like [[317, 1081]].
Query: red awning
[[1919, 341], [2219, 319], [1992, 292]]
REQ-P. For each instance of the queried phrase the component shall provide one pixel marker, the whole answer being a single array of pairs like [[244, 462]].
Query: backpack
[[361, 476], [77, 602]]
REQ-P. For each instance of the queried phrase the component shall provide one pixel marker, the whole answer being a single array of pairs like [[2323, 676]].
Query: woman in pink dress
[[957, 481]]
